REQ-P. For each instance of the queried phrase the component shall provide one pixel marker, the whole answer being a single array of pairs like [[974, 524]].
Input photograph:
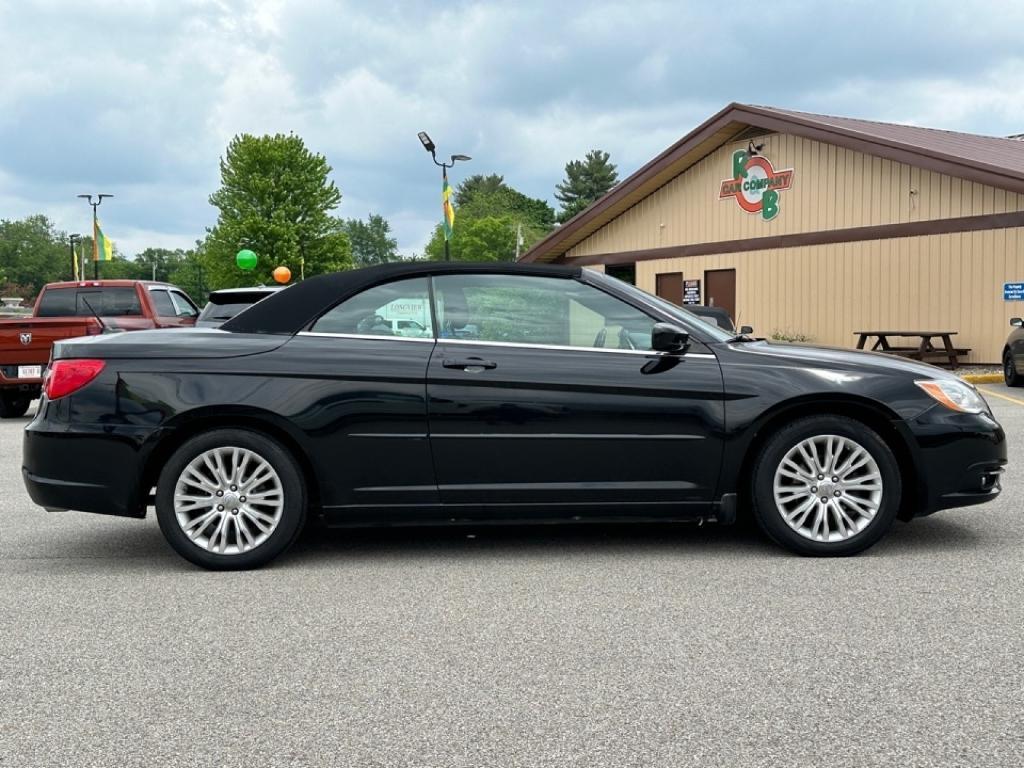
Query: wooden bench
[[923, 351]]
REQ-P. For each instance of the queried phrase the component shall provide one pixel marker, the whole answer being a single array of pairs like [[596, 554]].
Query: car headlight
[[955, 395]]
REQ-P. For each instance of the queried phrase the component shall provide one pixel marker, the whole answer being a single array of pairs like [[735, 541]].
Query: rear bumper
[[90, 468], [9, 378], [960, 459]]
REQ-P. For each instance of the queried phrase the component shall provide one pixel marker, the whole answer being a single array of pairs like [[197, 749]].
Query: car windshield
[[708, 329]]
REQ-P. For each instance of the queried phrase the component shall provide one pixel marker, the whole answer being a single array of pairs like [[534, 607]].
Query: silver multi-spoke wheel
[[228, 500], [828, 488]]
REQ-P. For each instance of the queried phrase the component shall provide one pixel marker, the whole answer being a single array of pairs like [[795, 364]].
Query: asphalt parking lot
[[667, 646]]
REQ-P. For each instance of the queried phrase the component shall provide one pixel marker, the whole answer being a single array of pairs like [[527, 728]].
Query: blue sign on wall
[[1013, 291]]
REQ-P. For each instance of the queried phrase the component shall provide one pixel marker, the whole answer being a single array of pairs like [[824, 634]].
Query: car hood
[[169, 343], [837, 358]]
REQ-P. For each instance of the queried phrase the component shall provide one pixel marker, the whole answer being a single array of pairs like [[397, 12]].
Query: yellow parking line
[[988, 391]]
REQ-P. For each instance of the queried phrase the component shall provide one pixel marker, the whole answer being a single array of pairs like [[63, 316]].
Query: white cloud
[[522, 87]]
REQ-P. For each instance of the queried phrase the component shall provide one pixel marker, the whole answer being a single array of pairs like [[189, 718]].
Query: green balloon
[[246, 259]]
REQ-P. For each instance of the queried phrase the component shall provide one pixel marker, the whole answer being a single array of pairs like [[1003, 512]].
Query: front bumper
[[88, 468], [960, 458]]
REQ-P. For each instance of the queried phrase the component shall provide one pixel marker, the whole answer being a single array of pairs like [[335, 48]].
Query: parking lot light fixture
[[95, 255], [428, 145]]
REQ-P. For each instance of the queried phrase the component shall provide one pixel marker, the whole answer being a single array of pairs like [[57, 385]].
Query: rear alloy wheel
[[1010, 375], [231, 499], [826, 485], [13, 406]]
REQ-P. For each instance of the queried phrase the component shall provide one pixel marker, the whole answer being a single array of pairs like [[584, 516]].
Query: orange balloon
[[282, 274]]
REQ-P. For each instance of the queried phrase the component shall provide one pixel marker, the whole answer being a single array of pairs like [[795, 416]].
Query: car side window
[[401, 308], [183, 307], [162, 303], [528, 309]]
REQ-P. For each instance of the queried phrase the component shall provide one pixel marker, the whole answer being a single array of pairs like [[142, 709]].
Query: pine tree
[[585, 181]]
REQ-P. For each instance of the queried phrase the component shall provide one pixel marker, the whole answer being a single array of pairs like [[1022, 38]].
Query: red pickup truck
[[64, 310]]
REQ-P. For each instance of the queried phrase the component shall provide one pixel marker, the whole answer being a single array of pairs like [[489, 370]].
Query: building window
[[624, 272]]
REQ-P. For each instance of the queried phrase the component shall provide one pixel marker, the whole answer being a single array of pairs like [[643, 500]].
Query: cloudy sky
[[139, 97]]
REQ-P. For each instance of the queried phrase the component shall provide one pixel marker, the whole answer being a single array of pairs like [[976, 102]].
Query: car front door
[[544, 391]]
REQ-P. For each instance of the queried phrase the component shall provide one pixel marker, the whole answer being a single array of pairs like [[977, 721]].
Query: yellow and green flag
[[448, 208], [102, 247]]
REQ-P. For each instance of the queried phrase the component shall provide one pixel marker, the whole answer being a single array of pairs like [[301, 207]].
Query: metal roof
[[1004, 153]]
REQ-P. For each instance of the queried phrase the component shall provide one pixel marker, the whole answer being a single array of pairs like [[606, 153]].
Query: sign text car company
[[755, 183]]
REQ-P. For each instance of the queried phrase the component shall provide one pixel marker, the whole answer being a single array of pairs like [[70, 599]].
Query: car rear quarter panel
[[330, 399]]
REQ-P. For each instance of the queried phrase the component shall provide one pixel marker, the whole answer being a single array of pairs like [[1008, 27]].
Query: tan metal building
[[813, 225]]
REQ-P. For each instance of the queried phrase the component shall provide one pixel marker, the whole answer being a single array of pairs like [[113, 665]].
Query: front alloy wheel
[[231, 499], [828, 488], [826, 485]]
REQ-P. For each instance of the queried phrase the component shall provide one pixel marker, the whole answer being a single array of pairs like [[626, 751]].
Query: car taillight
[[66, 376]]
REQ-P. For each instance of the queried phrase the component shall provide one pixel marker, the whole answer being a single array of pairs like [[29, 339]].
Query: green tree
[[32, 253], [371, 240], [585, 181], [480, 196], [491, 238], [489, 215], [477, 184], [165, 260], [276, 199], [189, 274]]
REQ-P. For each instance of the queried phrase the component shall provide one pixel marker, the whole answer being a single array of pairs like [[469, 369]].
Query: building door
[[669, 286], [720, 290]]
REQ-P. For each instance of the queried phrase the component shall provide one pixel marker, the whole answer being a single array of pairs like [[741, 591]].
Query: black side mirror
[[746, 330], [666, 337], [1017, 322]]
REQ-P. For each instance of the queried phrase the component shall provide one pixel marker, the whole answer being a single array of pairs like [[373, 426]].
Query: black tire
[[1010, 375], [14, 406], [293, 512], [766, 510]]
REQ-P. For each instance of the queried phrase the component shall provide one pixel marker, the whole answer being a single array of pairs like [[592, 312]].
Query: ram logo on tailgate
[[26, 338]]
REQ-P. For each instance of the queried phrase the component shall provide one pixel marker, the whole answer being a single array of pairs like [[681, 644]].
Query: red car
[[66, 310]]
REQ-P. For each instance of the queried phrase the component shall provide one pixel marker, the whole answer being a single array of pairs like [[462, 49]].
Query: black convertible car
[[520, 393]]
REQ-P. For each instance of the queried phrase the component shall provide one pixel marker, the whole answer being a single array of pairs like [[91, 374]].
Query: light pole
[[446, 192], [95, 246], [72, 239]]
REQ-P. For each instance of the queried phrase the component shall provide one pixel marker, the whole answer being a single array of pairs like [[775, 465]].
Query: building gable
[[831, 188]]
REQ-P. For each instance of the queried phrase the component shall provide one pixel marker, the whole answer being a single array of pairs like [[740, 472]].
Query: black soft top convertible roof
[[294, 309]]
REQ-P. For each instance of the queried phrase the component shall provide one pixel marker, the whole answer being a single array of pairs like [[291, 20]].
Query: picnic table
[[923, 350]]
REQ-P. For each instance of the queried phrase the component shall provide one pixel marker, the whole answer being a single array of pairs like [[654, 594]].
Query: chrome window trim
[[509, 344], [566, 348], [325, 334]]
